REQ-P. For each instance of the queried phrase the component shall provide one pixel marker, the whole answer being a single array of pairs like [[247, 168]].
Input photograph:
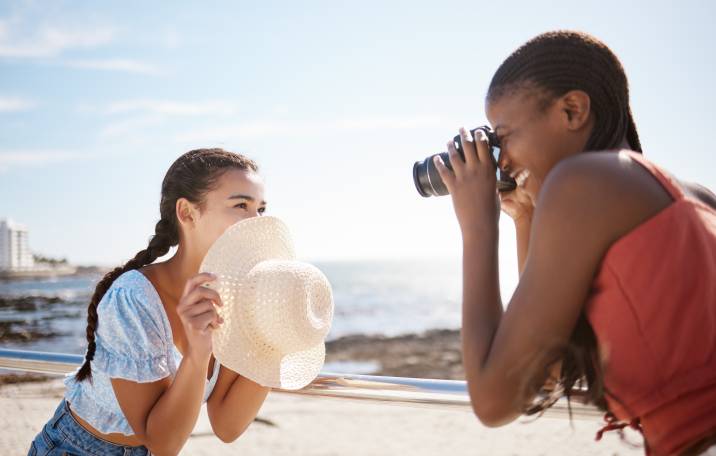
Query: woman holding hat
[[149, 363], [617, 257]]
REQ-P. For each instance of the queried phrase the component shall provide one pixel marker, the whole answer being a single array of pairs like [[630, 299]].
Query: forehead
[[237, 181], [514, 108]]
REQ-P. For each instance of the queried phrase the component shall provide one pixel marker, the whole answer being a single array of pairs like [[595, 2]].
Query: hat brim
[[290, 371]]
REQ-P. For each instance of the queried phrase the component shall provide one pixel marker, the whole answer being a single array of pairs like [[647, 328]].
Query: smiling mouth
[[520, 177]]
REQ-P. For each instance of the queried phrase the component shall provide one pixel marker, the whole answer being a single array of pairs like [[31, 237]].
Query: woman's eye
[[242, 205], [262, 210]]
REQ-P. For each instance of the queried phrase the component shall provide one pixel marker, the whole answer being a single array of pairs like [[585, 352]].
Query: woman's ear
[[185, 212], [576, 107]]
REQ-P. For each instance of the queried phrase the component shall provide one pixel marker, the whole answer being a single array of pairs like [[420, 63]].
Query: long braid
[[164, 238], [552, 64], [190, 177]]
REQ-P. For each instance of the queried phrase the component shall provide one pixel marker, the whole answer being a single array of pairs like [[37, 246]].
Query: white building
[[15, 252]]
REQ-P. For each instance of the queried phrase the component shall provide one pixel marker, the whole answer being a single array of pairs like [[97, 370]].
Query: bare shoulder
[[608, 191], [699, 192], [612, 172]]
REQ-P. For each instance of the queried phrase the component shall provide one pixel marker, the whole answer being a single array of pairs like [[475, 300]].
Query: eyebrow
[[246, 197]]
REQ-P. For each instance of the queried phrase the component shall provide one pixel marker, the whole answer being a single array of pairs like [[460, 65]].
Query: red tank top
[[653, 310]]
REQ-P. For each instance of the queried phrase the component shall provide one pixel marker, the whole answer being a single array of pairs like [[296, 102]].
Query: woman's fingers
[[198, 308], [516, 203], [457, 163], [208, 293], [483, 149], [468, 147], [446, 175], [216, 322], [196, 313], [204, 320], [476, 151], [198, 294], [199, 279]]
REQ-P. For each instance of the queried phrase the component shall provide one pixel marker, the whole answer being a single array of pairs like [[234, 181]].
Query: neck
[[181, 267]]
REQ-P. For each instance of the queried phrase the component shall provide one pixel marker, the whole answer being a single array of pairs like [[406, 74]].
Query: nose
[[503, 162]]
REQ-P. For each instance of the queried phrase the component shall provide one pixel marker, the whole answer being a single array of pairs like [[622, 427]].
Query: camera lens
[[427, 179], [429, 183]]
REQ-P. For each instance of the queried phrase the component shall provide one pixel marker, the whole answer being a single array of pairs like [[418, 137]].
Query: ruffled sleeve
[[132, 338]]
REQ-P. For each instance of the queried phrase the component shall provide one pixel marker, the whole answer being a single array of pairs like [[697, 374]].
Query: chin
[[532, 192]]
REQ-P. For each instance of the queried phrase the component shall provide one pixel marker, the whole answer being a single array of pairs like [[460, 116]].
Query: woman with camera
[[617, 257]]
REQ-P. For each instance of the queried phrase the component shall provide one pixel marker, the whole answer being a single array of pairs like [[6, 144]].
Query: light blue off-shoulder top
[[133, 342]]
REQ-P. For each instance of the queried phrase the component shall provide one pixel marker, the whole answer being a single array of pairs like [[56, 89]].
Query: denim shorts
[[63, 435]]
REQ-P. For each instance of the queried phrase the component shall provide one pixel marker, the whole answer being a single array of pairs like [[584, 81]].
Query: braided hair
[[552, 64], [557, 62], [191, 176]]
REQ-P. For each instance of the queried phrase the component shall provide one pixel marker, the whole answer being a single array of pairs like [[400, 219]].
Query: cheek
[[238, 216], [538, 154], [214, 226]]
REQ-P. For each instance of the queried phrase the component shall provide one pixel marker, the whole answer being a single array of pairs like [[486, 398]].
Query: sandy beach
[[295, 425], [299, 425]]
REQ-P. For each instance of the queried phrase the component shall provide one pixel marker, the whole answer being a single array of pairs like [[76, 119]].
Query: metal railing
[[442, 394]]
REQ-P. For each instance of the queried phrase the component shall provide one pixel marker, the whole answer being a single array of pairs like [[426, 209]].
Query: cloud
[[124, 65], [36, 36], [129, 128], [24, 39], [34, 157], [310, 128], [133, 116], [15, 104], [173, 108]]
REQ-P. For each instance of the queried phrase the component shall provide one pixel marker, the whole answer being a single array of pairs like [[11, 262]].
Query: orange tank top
[[653, 310]]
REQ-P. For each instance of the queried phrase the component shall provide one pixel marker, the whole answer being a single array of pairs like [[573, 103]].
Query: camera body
[[428, 181]]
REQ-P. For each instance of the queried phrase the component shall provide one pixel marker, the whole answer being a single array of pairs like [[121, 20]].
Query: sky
[[335, 101]]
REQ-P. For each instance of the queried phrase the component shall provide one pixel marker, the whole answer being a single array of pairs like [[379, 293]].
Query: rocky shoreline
[[30, 318], [433, 354]]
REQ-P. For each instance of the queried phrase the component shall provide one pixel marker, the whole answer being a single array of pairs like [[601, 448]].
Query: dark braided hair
[[557, 62], [552, 64], [191, 176]]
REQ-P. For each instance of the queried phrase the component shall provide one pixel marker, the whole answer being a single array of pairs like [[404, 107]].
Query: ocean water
[[371, 297]]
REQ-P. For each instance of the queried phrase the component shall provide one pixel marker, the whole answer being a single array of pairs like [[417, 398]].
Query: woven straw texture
[[277, 311]]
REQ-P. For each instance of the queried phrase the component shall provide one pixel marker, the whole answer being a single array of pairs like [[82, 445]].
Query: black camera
[[428, 181]]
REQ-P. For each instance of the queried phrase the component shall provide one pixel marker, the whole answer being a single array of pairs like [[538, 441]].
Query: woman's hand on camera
[[197, 312], [472, 183], [518, 205]]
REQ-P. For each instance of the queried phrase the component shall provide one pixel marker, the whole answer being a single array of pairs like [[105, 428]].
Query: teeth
[[521, 177]]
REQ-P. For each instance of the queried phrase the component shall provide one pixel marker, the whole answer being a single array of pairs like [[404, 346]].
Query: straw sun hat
[[277, 311]]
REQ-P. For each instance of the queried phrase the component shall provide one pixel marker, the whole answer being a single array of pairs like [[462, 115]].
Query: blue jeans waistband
[[73, 434]]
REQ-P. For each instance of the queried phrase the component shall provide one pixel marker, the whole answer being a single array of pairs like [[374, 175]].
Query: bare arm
[[233, 404], [520, 208], [585, 205], [162, 414]]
